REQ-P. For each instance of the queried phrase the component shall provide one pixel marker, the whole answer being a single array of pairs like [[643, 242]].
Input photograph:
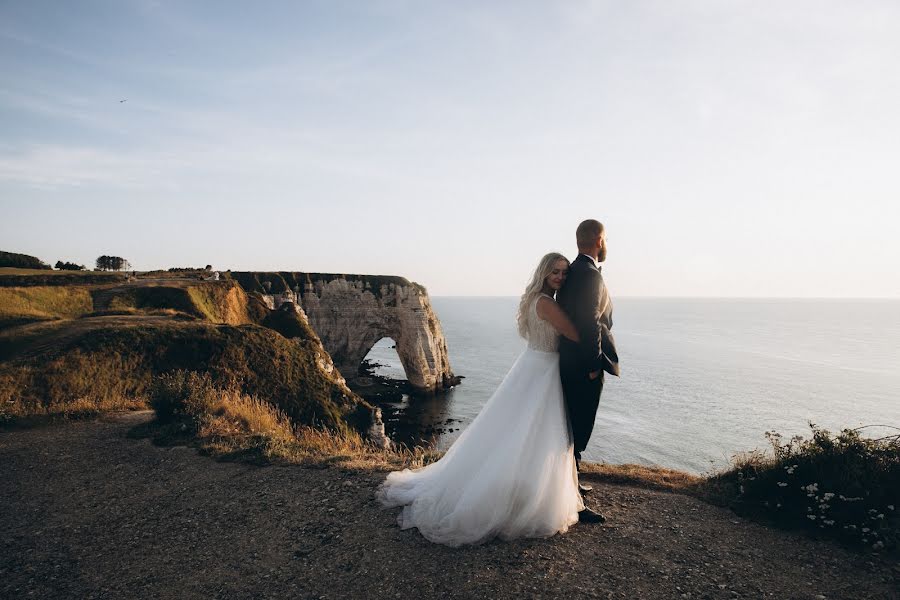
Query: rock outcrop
[[350, 313]]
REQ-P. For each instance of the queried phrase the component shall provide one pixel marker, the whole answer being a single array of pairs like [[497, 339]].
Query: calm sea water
[[702, 379]]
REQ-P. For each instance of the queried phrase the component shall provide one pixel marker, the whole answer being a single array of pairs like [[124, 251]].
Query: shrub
[[228, 423], [844, 486], [182, 395]]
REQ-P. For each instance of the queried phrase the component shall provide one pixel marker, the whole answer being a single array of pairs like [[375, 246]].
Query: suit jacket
[[586, 301]]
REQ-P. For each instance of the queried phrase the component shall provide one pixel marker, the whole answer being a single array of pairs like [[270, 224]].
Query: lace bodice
[[541, 334]]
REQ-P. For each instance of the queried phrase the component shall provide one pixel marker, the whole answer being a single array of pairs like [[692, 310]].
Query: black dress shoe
[[584, 488], [589, 516]]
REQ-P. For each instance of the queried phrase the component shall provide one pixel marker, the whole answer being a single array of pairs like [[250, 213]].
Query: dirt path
[[90, 513]]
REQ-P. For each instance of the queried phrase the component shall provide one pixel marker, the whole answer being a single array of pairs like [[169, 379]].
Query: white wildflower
[[890, 507], [782, 484], [828, 496], [811, 517], [866, 530]]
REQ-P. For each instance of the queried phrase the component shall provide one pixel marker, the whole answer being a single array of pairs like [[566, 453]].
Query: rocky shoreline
[[395, 397]]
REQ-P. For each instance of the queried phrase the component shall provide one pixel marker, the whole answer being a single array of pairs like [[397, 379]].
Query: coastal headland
[[242, 367]]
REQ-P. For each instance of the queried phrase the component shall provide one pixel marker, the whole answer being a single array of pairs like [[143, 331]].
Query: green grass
[[43, 303]]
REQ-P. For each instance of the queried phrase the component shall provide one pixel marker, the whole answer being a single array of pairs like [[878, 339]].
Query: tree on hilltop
[[67, 266], [112, 263]]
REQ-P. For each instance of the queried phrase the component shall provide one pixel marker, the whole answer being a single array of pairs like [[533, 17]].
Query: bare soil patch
[[89, 512]]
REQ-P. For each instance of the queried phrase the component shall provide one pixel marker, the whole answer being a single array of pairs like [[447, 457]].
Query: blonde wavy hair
[[533, 290]]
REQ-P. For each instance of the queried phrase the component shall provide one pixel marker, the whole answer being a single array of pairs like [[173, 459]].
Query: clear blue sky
[[732, 148]]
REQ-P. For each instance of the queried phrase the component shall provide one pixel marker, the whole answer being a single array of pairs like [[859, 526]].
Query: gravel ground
[[90, 513]]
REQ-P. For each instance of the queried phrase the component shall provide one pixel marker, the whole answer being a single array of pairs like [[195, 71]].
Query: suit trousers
[[582, 399]]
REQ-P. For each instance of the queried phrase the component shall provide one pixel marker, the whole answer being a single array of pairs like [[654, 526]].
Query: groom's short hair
[[588, 232]]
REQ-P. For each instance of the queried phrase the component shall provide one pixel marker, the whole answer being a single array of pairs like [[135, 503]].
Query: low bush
[[228, 423], [182, 395], [841, 485]]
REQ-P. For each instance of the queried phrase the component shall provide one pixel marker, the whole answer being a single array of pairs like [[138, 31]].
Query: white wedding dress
[[511, 473]]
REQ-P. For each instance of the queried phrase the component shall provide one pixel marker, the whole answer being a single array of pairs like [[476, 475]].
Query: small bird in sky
[[125, 100]]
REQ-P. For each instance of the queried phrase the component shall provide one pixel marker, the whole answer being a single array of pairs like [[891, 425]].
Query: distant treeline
[[21, 261], [24, 261], [188, 269]]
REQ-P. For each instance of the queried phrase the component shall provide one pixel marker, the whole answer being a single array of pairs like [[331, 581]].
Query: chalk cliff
[[350, 313]]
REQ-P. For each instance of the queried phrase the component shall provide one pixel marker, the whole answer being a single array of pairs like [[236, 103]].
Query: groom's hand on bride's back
[[594, 375]]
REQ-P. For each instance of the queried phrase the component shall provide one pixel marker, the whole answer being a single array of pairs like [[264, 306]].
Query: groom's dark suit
[[585, 300]]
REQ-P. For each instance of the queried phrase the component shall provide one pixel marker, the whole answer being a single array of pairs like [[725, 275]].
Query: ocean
[[702, 379]]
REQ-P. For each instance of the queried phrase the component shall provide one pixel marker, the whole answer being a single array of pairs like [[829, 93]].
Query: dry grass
[[71, 385], [23, 272], [654, 478], [229, 424], [14, 277], [44, 302], [220, 302]]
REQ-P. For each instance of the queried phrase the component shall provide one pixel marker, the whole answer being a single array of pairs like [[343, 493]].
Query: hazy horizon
[[732, 149]]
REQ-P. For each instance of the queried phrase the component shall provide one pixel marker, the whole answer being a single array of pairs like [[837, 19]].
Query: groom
[[586, 301]]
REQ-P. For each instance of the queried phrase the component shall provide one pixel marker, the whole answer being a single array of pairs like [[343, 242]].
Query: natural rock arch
[[350, 313]]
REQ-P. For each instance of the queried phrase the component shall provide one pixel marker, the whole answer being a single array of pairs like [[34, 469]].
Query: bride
[[511, 473]]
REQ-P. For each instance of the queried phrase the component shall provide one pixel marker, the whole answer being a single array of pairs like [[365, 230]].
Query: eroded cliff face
[[350, 313]]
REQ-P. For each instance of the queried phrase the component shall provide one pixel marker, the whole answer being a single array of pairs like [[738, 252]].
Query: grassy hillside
[[40, 303], [288, 322], [115, 367], [103, 347], [217, 302], [15, 277]]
